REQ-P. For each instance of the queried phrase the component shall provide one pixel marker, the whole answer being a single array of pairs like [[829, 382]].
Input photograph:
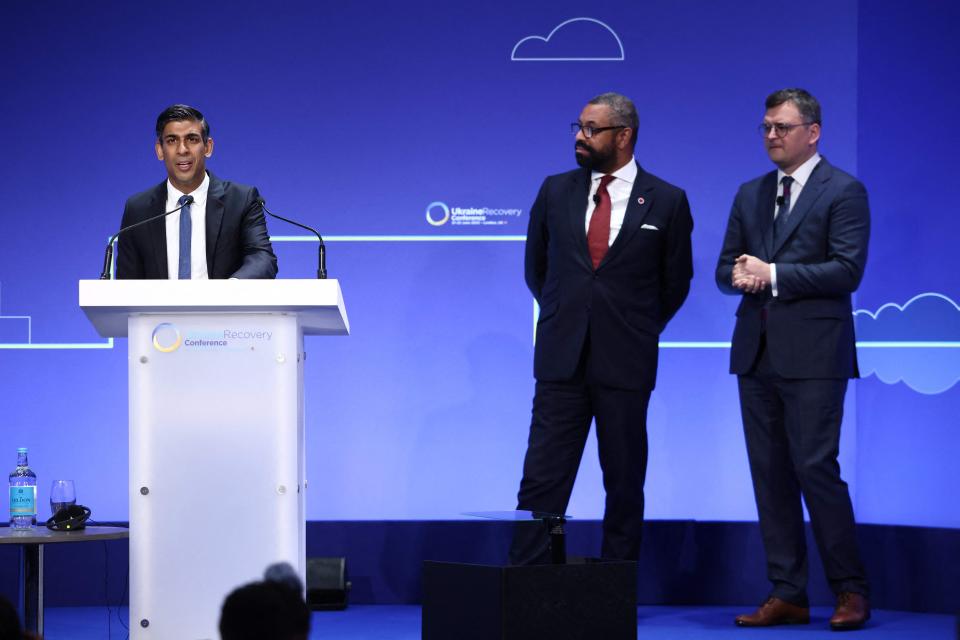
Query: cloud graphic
[[576, 40], [917, 343]]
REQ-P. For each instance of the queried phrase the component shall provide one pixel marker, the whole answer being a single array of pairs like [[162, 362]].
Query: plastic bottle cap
[[22, 450]]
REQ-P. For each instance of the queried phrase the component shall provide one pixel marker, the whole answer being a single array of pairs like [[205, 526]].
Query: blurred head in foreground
[[272, 608]]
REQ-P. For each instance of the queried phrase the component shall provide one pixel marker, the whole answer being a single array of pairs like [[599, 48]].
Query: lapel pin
[[640, 200]]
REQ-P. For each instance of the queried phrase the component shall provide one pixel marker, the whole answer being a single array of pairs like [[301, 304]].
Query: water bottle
[[23, 494]]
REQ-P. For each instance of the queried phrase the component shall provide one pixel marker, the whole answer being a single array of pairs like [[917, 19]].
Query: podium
[[217, 474]]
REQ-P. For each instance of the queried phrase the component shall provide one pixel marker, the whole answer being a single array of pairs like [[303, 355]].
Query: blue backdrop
[[415, 137]]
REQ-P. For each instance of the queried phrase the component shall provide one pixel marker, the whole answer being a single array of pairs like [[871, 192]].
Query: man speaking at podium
[[608, 258], [220, 234]]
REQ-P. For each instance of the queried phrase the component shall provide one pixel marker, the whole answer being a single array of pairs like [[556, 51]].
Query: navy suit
[[794, 354], [238, 245], [597, 346]]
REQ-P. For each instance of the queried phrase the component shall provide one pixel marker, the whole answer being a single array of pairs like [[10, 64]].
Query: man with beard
[[219, 233], [608, 259]]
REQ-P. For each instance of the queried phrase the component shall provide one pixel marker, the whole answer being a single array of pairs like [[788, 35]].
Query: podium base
[[586, 598]]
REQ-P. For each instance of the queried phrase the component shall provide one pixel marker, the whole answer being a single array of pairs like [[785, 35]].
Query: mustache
[[581, 145]]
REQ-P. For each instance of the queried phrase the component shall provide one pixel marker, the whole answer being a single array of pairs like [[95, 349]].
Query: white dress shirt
[[800, 177], [198, 231], [619, 190]]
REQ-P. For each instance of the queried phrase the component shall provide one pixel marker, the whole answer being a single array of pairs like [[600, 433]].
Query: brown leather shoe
[[773, 612], [852, 611]]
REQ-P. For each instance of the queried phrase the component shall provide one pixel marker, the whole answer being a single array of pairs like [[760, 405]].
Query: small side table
[[31, 562]]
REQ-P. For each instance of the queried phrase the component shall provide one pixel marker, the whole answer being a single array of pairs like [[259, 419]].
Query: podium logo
[[166, 338]]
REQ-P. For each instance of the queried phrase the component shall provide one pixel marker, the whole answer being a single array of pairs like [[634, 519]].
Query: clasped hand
[[750, 274]]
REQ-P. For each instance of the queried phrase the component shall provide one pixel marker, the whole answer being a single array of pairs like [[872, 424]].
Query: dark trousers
[[792, 430], [562, 413]]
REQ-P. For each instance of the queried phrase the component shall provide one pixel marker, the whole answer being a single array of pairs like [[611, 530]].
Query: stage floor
[[386, 622]]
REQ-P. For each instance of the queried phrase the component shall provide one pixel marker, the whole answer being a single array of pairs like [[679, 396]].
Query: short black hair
[[264, 610], [178, 112], [623, 110], [807, 105]]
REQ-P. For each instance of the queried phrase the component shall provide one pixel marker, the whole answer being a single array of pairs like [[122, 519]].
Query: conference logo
[[439, 214], [166, 338]]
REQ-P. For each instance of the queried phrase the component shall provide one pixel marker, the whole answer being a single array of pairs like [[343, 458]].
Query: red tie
[[598, 235]]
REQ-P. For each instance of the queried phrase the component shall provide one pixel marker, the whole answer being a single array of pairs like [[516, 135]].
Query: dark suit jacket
[[820, 258], [237, 242], [626, 303]]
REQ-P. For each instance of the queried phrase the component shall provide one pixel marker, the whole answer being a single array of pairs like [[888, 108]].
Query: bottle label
[[23, 501]]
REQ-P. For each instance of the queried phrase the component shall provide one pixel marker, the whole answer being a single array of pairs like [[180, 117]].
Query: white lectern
[[217, 477]]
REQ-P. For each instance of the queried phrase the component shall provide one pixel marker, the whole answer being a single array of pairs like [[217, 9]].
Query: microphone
[[322, 249], [780, 201], [108, 257], [596, 198]]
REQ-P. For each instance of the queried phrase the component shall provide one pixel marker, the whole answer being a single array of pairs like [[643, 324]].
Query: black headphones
[[72, 518]]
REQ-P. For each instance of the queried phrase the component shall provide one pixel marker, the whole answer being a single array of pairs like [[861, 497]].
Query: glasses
[[779, 128], [589, 131]]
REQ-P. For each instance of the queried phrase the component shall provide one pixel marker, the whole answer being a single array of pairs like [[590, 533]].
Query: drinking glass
[[62, 495]]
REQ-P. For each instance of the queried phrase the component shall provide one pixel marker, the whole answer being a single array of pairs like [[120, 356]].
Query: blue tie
[[186, 229]]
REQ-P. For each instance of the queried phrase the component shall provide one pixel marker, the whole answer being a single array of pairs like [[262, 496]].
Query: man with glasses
[[608, 258], [795, 250], [219, 231]]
